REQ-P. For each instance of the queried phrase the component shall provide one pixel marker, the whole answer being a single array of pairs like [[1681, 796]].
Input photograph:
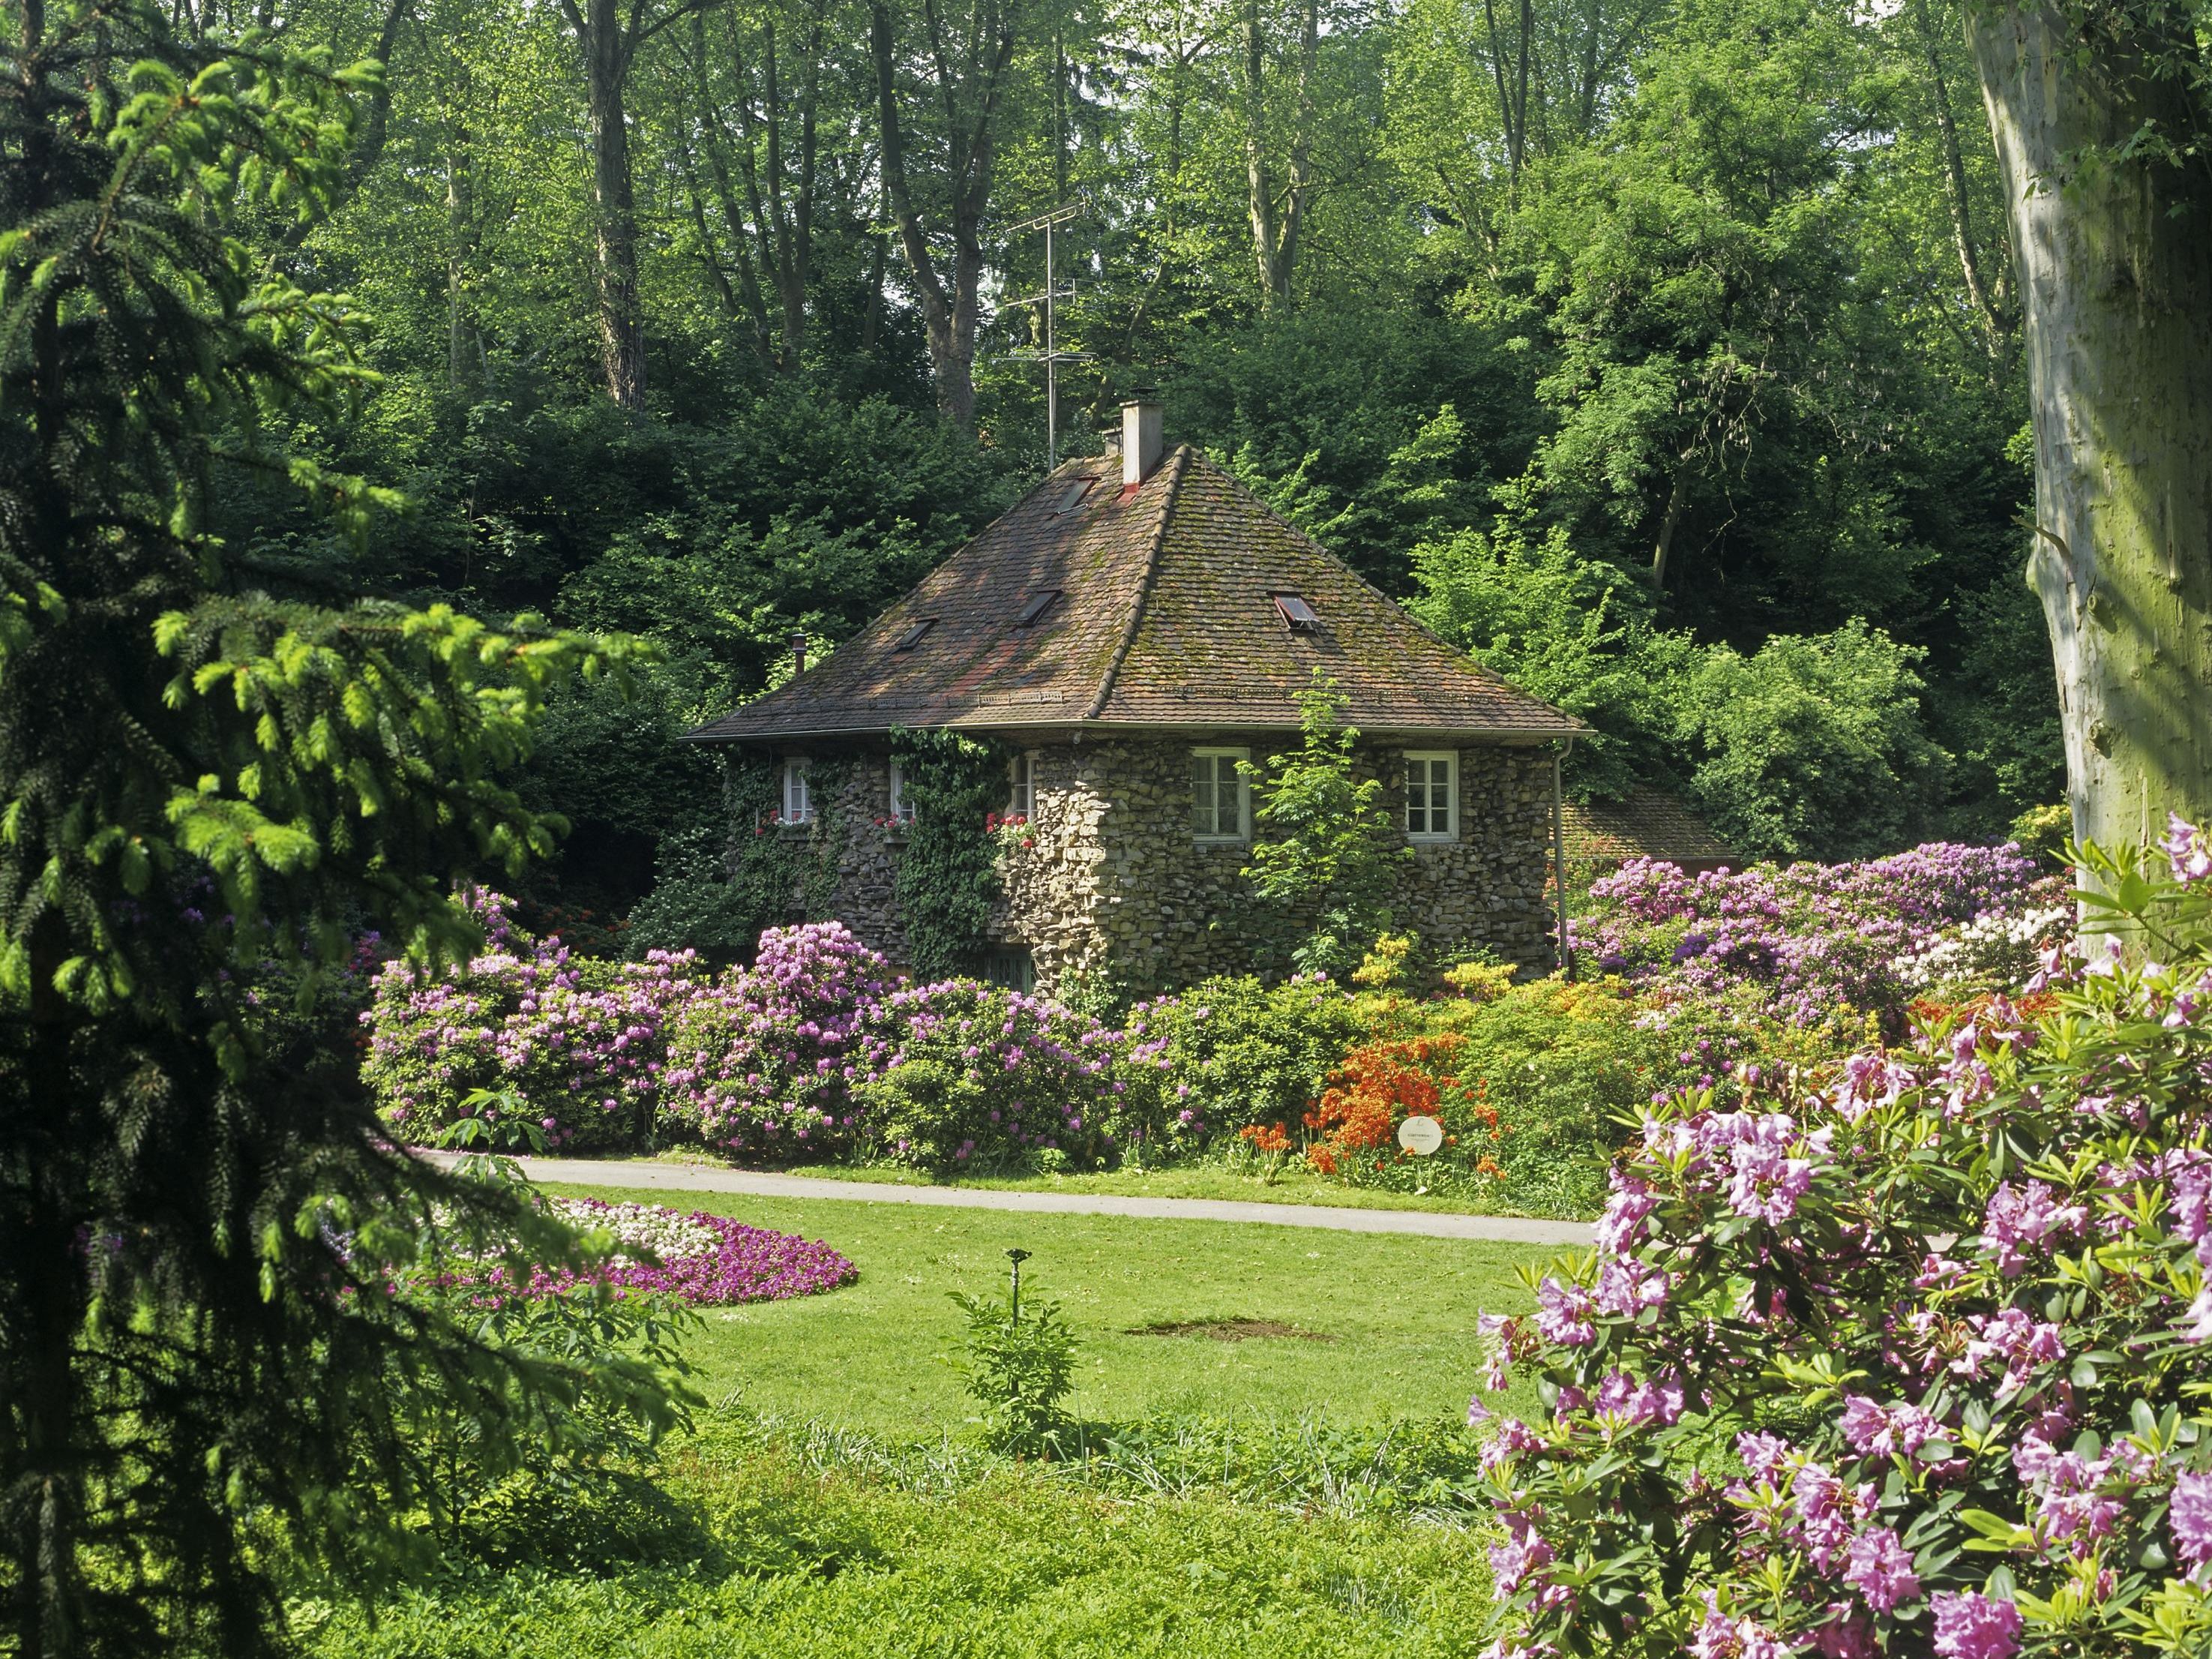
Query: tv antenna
[[1052, 356]]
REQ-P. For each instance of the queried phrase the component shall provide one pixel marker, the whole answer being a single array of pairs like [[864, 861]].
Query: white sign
[[1421, 1136]]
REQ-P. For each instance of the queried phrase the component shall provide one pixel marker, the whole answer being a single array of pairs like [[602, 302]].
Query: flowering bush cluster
[[581, 1038], [1239, 1053], [979, 1075], [1870, 934], [1380, 1086], [811, 1052], [1905, 1358], [764, 1060]]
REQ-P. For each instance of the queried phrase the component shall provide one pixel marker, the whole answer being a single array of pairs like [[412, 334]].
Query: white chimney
[[1140, 440]]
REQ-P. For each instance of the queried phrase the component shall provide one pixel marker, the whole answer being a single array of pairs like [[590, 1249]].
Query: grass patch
[[869, 1356], [1246, 1492], [1018, 1565], [1296, 1184]]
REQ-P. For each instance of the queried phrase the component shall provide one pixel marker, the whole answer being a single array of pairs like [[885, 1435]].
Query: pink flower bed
[[741, 1263]]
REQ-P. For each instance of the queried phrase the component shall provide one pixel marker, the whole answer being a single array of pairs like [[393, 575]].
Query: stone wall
[[1113, 883]]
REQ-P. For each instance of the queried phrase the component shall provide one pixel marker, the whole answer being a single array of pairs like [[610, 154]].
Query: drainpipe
[[1565, 952]]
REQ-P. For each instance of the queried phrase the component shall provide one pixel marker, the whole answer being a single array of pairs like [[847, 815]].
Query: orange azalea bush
[[1377, 1088]]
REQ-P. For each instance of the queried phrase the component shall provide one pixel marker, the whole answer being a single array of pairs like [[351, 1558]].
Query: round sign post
[[1421, 1136]]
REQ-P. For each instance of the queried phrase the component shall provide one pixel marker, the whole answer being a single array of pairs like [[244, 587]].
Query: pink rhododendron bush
[[580, 1038], [813, 1052], [763, 1061], [1913, 1358], [1873, 934]]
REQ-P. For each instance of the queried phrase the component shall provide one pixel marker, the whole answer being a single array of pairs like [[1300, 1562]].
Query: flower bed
[[708, 1259], [1902, 1358]]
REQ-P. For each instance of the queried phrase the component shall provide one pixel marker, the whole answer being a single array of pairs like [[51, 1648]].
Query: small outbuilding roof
[[1165, 615], [1649, 824]]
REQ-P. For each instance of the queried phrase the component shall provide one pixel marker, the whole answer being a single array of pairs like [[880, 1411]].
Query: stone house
[[1132, 629]]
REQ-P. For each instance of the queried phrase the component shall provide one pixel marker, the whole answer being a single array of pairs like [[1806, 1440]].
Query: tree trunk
[[1994, 331], [949, 318], [460, 234], [1277, 224], [614, 211], [2114, 264]]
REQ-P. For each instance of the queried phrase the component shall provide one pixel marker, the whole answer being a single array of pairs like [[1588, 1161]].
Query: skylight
[[1297, 614], [1038, 605], [1073, 497], [912, 637]]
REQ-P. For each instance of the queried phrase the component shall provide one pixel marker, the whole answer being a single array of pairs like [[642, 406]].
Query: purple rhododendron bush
[[1873, 934], [581, 1038], [1909, 1357], [813, 1052], [763, 1061]]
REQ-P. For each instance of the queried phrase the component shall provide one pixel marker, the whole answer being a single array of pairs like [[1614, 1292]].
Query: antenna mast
[[1052, 356]]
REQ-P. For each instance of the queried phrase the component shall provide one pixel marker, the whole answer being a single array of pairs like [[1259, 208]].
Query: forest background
[[1665, 353]]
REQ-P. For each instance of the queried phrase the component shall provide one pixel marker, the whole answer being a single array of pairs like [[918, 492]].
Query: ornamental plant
[[1810, 936], [979, 1076], [1377, 1088], [579, 1041], [708, 1259], [1237, 1052], [1906, 1358], [764, 1060]]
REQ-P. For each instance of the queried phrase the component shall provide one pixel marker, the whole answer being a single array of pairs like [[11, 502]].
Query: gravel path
[[686, 1178]]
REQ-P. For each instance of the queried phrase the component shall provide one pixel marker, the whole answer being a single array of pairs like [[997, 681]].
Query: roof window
[[1297, 615], [1038, 605], [1073, 498], [913, 636]]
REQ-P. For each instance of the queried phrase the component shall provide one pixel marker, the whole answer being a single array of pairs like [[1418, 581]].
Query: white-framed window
[[1220, 803], [902, 804], [1022, 803], [797, 798], [1432, 795]]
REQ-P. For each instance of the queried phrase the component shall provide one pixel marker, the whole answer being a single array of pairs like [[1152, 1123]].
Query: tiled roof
[[1649, 824], [1166, 618]]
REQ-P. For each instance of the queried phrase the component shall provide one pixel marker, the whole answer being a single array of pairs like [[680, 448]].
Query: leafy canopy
[[206, 796]]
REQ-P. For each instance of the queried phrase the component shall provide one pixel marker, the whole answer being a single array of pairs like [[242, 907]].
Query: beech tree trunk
[[2112, 254], [969, 82], [614, 217], [607, 46], [1278, 223]]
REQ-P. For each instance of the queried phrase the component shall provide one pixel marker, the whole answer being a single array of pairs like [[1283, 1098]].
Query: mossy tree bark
[[2092, 114]]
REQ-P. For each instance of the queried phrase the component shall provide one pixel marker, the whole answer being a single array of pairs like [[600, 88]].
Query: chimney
[[797, 653], [1140, 438]]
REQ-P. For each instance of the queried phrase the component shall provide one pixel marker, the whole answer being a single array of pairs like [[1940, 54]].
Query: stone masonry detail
[[1114, 884]]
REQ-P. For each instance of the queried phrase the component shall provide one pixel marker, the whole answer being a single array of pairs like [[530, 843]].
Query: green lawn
[[1400, 1314], [1297, 1184], [838, 1508]]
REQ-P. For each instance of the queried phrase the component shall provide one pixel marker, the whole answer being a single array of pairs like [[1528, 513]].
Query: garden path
[[638, 1174]]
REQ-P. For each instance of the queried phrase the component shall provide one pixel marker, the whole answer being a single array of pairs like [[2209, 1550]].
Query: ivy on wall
[[948, 876], [760, 874]]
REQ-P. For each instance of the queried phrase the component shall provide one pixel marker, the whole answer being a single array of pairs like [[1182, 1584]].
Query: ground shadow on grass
[[1231, 1330], [613, 1521]]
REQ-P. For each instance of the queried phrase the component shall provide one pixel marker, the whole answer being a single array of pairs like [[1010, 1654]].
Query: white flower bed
[[641, 1227]]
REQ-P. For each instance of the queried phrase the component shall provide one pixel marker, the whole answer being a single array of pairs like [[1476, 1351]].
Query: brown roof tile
[[1649, 824], [1166, 619]]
